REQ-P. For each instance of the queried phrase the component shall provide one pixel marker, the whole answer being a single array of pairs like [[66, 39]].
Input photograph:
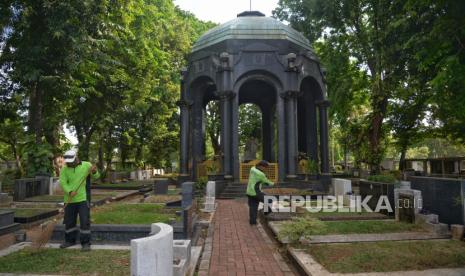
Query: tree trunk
[[215, 144], [403, 153], [17, 159], [375, 133], [35, 113], [100, 156]]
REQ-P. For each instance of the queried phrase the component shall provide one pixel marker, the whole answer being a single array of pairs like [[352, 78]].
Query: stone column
[[235, 136], [268, 134], [290, 98], [280, 111], [312, 140], [226, 95], [226, 130], [324, 136], [197, 136], [184, 139]]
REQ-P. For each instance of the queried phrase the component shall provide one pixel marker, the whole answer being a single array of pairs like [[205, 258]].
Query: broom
[[47, 227]]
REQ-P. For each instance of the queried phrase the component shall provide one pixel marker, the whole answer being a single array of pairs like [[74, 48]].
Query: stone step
[[235, 189], [231, 195]]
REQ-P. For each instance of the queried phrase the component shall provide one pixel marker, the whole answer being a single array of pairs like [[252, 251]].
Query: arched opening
[[257, 131], [309, 124], [202, 94]]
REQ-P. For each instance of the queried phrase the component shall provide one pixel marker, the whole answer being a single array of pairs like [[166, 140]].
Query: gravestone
[[250, 152], [210, 197], [5, 199], [7, 224], [187, 194], [153, 255], [182, 256], [342, 187], [211, 189], [29, 187], [160, 187], [408, 202], [457, 231]]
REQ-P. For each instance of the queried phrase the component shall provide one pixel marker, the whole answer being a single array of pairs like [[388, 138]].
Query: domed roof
[[251, 25]]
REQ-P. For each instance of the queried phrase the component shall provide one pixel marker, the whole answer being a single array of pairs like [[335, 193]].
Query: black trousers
[[254, 202], [72, 210]]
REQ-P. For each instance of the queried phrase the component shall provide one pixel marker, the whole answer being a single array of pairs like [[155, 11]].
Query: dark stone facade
[[255, 59], [442, 196]]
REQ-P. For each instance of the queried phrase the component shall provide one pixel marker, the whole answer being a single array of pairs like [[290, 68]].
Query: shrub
[[384, 178], [8, 179], [201, 183], [300, 227]]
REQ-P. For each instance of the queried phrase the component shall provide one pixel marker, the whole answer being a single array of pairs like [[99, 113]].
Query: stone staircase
[[233, 190]]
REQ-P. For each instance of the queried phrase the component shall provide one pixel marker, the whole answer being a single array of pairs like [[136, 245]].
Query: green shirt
[[256, 176], [71, 178]]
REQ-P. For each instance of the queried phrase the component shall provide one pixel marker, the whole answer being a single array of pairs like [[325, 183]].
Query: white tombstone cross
[[210, 197]]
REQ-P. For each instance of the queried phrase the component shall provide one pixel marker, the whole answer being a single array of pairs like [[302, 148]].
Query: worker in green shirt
[[73, 181], [255, 195]]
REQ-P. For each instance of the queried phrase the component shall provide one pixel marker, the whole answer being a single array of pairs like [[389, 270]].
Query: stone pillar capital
[[183, 74], [225, 95], [184, 103], [323, 103]]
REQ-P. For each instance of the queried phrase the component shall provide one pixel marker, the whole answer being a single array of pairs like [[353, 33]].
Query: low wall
[[29, 187], [442, 196], [120, 233], [153, 255], [376, 190]]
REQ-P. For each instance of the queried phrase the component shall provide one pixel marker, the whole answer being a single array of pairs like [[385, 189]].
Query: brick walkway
[[241, 249]]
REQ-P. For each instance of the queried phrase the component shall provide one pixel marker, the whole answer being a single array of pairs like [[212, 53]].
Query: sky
[[221, 11]]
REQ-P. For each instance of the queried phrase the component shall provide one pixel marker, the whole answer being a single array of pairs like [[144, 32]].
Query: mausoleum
[[259, 60]]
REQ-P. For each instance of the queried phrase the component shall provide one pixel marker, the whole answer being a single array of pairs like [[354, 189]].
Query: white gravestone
[[342, 187], [210, 197], [153, 255]]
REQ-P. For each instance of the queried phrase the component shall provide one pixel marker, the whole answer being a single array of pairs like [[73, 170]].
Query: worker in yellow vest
[[255, 195], [73, 181]]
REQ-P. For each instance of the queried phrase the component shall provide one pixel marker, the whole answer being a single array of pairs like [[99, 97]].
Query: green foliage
[[384, 178], [312, 166], [201, 183], [299, 227], [250, 123], [38, 159], [108, 69], [390, 66], [7, 177], [212, 169]]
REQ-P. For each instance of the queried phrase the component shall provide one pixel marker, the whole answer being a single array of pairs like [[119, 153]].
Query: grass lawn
[[67, 262], [362, 227], [363, 214], [173, 191], [389, 256], [59, 198], [162, 198], [140, 213], [304, 227]]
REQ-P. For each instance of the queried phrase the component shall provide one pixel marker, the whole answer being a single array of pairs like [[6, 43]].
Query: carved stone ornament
[[225, 95], [289, 94]]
